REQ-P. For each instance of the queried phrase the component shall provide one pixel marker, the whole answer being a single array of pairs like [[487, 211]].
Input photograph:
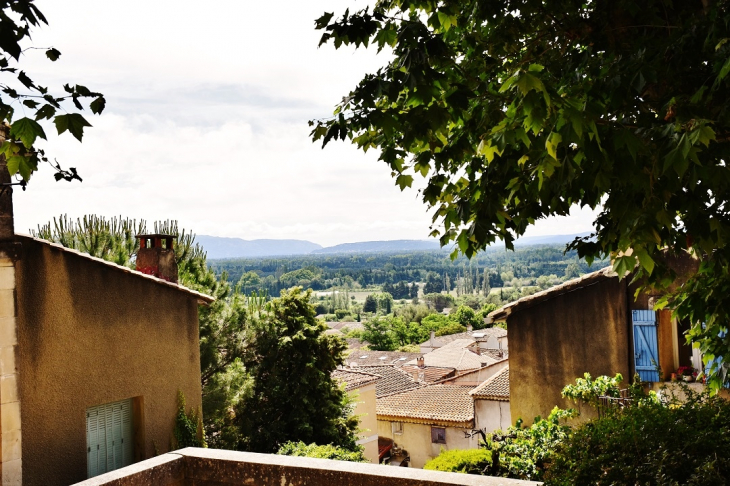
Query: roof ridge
[[202, 298]]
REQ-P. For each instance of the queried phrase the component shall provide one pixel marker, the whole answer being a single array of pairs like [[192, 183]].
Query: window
[[109, 437], [397, 428], [438, 435]]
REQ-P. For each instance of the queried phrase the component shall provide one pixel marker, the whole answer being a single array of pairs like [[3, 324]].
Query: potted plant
[[686, 373]]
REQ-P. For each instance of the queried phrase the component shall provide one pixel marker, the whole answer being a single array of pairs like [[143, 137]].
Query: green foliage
[[188, 431], [450, 328], [321, 451], [517, 111], [433, 284], [439, 301], [524, 452], [467, 317], [17, 19], [409, 348], [655, 443], [290, 358], [370, 305], [588, 390], [413, 312], [379, 333], [470, 461]]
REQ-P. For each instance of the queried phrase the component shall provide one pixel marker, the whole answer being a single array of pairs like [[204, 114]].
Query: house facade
[[92, 357], [361, 386], [592, 324]]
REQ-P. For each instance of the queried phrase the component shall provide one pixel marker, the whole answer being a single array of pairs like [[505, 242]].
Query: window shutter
[[109, 437], [646, 346]]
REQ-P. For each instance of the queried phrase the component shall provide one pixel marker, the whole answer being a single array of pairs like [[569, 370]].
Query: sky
[[206, 124]]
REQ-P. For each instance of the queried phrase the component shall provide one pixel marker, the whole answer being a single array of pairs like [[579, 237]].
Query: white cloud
[[206, 123]]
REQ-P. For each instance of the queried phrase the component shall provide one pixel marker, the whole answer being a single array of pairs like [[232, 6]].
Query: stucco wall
[[416, 439], [475, 378], [365, 410], [556, 341], [90, 334], [491, 415]]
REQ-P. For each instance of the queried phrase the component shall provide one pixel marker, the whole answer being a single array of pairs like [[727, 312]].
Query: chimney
[[415, 376], [420, 362], [156, 256], [433, 335], [469, 328]]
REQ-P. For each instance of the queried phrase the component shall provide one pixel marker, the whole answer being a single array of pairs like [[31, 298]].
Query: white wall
[[491, 415]]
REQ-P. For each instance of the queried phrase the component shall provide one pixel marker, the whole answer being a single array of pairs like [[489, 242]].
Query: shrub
[[321, 452], [410, 348], [588, 390], [470, 461], [466, 316], [340, 313], [651, 443]]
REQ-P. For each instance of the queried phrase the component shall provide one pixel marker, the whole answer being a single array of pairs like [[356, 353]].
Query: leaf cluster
[[517, 110]]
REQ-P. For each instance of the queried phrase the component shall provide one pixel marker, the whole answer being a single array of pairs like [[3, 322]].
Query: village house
[[361, 388], [425, 420], [489, 338], [491, 403], [92, 356], [589, 324]]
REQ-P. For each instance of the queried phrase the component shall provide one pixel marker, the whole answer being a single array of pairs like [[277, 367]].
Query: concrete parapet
[[212, 467]]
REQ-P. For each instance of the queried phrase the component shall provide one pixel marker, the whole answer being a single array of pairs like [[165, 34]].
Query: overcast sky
[[206, 123]]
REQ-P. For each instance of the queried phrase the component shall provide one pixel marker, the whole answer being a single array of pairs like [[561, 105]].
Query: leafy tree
[[370, 305], [439, 301], [36, 102], [321, 452], [290, 359], [452, 327], [467, 317], [379, 333], [433, 284], [588, 390], [514, 111]]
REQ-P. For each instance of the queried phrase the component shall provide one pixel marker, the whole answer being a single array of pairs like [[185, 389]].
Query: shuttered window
[[646, 346], [109, 437]]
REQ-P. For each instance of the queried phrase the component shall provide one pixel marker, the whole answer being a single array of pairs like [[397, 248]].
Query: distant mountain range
[[219, 248]]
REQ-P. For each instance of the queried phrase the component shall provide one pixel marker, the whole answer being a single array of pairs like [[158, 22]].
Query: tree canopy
[[35, 102], [516, 110]]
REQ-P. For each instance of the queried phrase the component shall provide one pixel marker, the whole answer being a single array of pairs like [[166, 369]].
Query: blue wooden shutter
[[109, 437], [646, 347]]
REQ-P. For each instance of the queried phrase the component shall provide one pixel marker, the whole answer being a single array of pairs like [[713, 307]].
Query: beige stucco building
[[92, 356], [361, 387]]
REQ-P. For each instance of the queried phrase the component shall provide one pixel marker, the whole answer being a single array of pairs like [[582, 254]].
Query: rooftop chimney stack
[[156, 256], [421, 362], [433, 335], [469, 328]]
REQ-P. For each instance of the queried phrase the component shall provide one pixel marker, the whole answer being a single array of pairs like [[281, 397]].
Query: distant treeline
[[318, 272]]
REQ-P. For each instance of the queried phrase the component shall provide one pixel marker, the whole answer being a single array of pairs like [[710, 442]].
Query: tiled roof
[[455, 355], [430, 374], [354, 379], [430, 404], [478, 336], [354, 343], [379, 358], [202, 298], [569, 286], [495, 388], [394, 380]]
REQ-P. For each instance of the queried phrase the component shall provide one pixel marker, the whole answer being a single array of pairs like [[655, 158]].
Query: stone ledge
[[213, 467]]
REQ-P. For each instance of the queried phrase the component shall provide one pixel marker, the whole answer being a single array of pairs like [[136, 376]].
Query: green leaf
[[98, 105], [623, 265], [552, 143], [73, 122], [46, 111], [646, 261], [26, 130], [53, 54], [725, 69], [528, 82], [404, 181]]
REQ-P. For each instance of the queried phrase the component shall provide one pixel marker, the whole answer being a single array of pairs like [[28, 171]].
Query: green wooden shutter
[[109, 437]]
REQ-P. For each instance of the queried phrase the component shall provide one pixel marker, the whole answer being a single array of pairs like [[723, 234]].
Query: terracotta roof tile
[[495, 388], [429, 404], [394, 380], [430, 374], [202, 298], [379, 358], [455, 355], [354, 379], [476, 336]]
